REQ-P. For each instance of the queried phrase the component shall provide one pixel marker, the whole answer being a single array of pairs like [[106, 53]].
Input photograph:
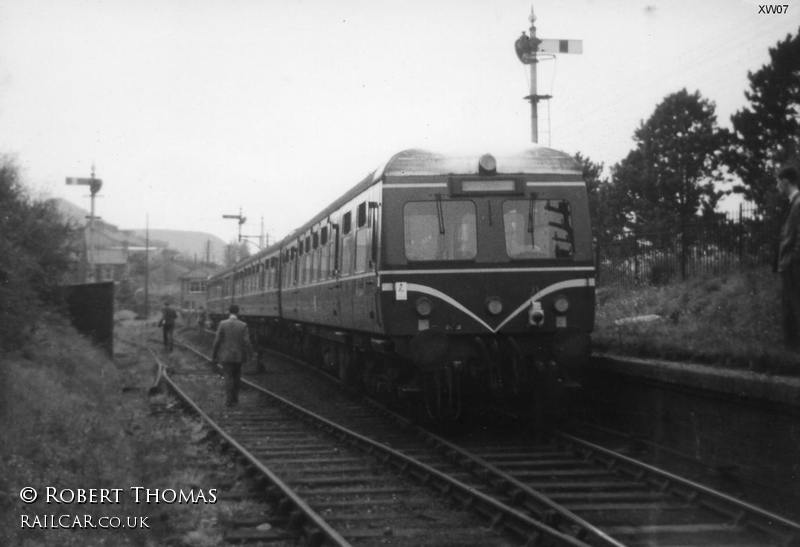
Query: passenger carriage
[[453, 279]]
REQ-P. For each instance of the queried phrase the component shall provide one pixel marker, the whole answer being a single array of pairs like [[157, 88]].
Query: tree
[[607, 222], [35, 253], [767, 131], [670, 176]]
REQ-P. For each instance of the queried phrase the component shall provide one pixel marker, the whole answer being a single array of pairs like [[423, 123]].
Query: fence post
[[741, 236], [683, 248]]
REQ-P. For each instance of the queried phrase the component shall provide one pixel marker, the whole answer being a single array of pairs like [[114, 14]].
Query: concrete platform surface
[[774, 388]]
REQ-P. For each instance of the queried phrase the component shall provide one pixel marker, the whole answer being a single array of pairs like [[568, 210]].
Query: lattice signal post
[[530, 51]]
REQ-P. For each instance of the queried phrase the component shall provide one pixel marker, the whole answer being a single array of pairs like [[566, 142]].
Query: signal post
[[94, 185], [530, 50]]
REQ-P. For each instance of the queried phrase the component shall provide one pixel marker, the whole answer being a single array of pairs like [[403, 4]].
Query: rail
[[329, 535], [499, 514], [715, 500]]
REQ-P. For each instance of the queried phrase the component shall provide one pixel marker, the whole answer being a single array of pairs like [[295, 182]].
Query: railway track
[[593, 494], [339, 487]]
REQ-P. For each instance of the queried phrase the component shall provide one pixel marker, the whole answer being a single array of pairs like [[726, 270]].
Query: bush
[[63, 424], [34, 254], [733, 319]]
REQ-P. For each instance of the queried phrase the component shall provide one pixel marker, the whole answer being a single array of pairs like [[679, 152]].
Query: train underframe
[[440, 376]]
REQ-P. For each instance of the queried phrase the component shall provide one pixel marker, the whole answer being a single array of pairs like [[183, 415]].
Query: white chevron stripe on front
[[568, 284], [424, 289]]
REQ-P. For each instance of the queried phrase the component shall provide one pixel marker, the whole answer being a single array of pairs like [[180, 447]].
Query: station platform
[[756, 386]]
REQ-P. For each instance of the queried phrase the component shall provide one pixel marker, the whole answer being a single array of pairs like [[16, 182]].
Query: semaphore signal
[[530, 50], [94, 185]]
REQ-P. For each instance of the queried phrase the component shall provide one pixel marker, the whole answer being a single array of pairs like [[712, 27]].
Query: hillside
[[191, 245]]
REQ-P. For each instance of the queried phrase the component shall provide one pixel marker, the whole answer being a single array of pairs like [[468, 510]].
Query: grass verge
[[731, 320], [73, 419]]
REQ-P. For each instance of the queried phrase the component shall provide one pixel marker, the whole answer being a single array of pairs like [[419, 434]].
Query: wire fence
[[742, 239]]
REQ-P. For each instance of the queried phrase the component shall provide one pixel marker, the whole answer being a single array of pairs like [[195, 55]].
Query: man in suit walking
[[789, 257], [231, 349], [167, 322]]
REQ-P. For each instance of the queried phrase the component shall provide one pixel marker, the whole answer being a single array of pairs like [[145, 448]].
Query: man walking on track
[[167, 322], [231, 349]]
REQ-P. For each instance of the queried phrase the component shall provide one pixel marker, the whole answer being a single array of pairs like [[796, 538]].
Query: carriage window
[[323, 236], [307, 267], [347, 222], [361, 218], [324, 262], [362, 250], [440, 230], [538, 228], [273, 270], [347, 255], [315, 264], [291, 268]]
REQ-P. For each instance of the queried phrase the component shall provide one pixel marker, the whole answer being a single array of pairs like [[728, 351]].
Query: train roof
[[416, 162]]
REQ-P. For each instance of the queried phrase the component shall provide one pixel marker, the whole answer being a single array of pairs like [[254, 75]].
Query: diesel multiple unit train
[[442, 279]]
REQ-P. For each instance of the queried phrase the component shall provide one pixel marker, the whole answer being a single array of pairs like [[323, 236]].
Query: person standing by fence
[[789, 257]]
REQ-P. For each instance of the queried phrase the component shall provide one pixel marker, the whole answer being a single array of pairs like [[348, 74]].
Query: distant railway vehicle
[[453, 279]]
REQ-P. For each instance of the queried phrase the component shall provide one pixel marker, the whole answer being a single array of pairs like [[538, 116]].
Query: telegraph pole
[[530, 50], [147, 267]]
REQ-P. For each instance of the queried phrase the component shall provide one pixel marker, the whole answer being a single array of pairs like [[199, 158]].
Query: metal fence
[[741, 239]]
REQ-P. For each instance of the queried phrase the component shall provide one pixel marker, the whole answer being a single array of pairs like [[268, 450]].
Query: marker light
[[536, 314], [561, 304], [423, 306], [494, 306], [487, 165]]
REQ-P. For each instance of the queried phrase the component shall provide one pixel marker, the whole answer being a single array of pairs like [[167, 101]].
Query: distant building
[[105, 253], [193, 288]]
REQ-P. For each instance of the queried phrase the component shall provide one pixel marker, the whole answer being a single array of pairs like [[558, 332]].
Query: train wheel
[[489, 365], [328, 355], [297, 345], [311, 354], [349, 370], [443, 395], [516, 370], [371, 375]]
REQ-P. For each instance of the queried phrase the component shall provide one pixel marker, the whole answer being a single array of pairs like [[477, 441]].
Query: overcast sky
[[191, 109]]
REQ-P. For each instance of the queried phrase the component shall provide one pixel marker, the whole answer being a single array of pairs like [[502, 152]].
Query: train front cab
[[488, 285]]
